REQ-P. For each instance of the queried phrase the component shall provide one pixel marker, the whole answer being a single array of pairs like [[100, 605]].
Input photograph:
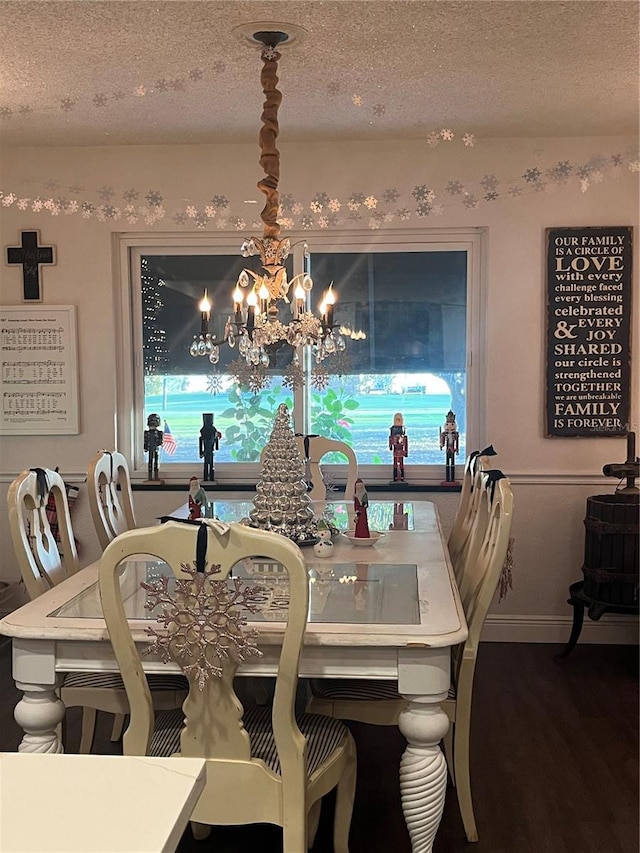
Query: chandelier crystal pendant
[[275, 311]]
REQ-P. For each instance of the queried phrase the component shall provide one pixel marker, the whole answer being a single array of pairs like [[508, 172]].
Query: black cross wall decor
[[30, 255]]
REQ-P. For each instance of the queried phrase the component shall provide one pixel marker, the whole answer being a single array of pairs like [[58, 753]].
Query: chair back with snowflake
[[44, 559], [110, 495], [202, 627]]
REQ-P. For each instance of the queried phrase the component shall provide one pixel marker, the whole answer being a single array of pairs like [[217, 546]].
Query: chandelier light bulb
[[205, 315], [328, 301], [205, 305]]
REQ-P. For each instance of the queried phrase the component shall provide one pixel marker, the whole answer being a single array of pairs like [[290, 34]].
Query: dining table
[[390, 610]]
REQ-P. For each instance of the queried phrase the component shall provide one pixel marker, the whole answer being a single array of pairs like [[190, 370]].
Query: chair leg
[[88, 729], [447, 747], [313, 819], [294, 836], [118, 726], [461, 773], [345, 795], [200, 830]]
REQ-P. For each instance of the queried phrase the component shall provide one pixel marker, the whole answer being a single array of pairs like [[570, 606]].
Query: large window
[[413, 301]]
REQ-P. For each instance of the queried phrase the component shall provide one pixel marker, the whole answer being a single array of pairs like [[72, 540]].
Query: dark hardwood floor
[[554, 761]]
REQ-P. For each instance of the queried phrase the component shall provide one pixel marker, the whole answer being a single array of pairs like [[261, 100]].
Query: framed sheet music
[[39, 370]]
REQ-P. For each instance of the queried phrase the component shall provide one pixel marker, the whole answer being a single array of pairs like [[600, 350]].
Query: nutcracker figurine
[[209, 442], [153, 438], [449, 438], [399, 446]]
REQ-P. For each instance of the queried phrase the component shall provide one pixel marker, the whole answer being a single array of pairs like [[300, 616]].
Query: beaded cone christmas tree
[[282, 503]]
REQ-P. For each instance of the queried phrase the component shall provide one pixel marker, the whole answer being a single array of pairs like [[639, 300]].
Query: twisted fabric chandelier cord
[[270, 156]]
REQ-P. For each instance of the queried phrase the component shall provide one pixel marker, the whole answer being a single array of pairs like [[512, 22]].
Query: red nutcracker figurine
[[400, 518], [399, 446], [449, 439]]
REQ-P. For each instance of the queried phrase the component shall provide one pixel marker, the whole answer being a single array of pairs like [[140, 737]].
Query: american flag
[[169, 443]]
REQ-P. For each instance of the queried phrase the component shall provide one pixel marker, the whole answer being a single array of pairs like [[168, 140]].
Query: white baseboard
[[611, 629]]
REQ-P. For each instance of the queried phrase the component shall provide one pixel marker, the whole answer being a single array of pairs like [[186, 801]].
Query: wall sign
[[39, 370], [588, 331]]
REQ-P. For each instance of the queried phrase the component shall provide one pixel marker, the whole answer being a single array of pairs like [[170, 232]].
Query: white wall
[[552, 477]]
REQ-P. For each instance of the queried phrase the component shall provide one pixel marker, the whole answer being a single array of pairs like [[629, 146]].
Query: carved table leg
[[38, 713], [423, 769]]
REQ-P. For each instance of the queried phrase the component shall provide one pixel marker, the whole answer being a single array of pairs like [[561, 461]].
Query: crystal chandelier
[[257, 326]]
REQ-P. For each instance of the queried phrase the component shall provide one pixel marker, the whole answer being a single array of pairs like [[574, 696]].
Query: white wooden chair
[[312, 448], [462, 522], [378, 702], [110, 498], [43, 566], [264, 764]]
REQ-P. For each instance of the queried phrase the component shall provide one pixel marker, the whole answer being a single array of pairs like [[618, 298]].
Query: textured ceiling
[[105, 73]]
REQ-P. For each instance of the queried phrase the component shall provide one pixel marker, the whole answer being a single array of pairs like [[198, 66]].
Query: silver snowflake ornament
[[203, 622], [293, 376]]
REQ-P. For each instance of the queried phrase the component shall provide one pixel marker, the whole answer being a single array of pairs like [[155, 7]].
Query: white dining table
[[389, 611]]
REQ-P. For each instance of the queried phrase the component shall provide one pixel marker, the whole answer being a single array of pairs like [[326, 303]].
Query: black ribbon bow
[[41, 481], [492, 478]]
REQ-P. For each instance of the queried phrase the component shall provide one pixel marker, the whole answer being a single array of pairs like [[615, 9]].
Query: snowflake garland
[[203, 622]]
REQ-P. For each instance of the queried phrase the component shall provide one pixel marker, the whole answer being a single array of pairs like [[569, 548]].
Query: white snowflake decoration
[[320, 378], [203, 621]]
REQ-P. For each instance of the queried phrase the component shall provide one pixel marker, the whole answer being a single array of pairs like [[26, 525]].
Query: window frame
[[129, 415]]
